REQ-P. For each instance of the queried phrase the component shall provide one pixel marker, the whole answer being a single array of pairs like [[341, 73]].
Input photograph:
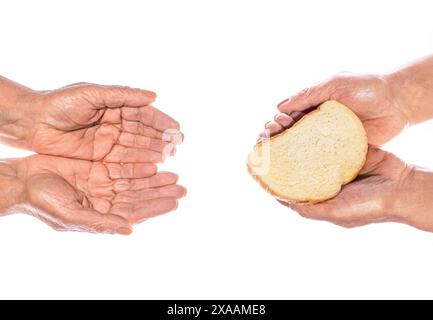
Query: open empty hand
[[78, 195], [92, 122]]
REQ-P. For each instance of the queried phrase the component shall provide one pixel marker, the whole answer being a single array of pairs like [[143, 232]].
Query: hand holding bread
[[306, 173], [372, 98]]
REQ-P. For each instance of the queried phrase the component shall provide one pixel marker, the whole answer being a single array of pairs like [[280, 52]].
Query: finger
[[312, 96], [158, 180], [122, 154], [373, 160], [135, 127], [150, 116], [77, 84], [130, 170], [99, 203], [349, 206], [320, 211], [296, 116], [363, 222], [284, 120], [92, 221], [281, 122], [136, 213], [143, 142], [266, 133], [261, 140], [171, 191], [273, 127], [118, 96]]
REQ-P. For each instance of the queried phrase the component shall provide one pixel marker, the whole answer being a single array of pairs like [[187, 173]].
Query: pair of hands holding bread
[[97, 152], [387, 189]]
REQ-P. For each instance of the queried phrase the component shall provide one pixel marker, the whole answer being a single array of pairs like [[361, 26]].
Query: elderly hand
[[371, 98], [89, 122], [377, 195], [387, 189], [78, 195]]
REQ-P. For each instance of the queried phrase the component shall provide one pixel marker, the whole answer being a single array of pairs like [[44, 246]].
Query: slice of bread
[[312, 160]]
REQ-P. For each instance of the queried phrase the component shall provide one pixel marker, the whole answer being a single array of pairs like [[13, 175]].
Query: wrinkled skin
[[108, 139], [370, 198], [78, 195], [95, 122], [369, 97], [380, 193]]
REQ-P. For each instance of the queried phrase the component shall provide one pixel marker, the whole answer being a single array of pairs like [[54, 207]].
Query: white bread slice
[[312, 160]]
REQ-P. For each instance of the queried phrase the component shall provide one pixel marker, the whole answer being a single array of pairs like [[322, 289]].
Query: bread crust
[[281, 197]]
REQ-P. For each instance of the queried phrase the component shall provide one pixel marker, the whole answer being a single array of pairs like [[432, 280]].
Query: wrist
[[413, 203], [412, 90], [17, 113], [12, 186], [399, 83]]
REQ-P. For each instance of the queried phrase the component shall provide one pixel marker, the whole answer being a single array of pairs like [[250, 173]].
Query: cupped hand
[[371, 98], [377, 195], [94, 122], [78, 195]]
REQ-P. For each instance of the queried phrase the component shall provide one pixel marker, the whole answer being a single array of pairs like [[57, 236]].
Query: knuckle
[[335, 80], [101, 227], [341, 76], [306, 92], [67, 220]]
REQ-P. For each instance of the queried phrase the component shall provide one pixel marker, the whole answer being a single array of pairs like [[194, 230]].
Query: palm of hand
[[367, 199], [90, 196], [113, 124]]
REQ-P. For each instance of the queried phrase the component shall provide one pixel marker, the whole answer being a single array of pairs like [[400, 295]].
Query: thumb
[[104, 96], [92, 221], [309, 97], [329, 210]]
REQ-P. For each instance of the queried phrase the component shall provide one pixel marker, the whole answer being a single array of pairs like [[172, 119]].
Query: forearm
[[16, 114], [412, 89], [12, 192]]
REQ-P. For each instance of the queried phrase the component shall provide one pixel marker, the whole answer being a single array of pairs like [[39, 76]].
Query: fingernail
[[124, 231], [150, 94], [179, 138], [283, 102]]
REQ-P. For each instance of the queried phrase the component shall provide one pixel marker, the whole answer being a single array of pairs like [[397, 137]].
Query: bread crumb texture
[[310, 161]]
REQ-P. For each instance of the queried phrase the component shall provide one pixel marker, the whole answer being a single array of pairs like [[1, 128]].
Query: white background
[[220, 68]]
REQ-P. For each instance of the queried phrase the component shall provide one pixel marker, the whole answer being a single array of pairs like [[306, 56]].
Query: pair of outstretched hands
[[101, 144], [97, 152]]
